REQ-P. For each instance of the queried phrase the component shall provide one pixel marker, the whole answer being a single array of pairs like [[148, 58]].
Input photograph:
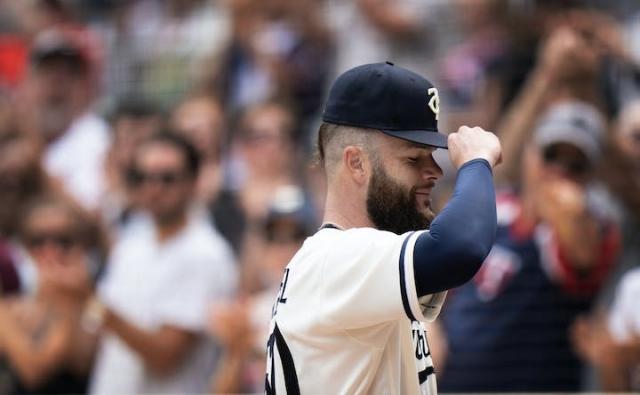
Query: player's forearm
[[461, 236]]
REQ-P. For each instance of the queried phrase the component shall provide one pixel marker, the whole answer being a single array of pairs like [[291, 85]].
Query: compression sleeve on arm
[[461, 236]]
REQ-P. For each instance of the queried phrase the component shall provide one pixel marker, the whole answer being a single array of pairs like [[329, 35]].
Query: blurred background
[[157, 173]]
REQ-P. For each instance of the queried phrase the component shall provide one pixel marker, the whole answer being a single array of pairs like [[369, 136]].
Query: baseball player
[[348, 316]]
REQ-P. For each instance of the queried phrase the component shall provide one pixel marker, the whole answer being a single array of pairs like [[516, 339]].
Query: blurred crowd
[[158, 171]]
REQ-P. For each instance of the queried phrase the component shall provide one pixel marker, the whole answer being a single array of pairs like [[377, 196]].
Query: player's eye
[[413, 159]]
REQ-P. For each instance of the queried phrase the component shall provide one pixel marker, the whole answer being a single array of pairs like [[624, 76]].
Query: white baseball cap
[[576, 123]]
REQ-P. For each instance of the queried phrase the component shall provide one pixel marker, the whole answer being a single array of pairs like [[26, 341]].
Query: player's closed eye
[[415, 159]]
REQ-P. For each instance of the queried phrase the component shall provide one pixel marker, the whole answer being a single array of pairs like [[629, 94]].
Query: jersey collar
[[329, 226]]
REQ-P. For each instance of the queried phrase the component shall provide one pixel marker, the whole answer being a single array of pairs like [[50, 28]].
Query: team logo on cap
[[434, 102]]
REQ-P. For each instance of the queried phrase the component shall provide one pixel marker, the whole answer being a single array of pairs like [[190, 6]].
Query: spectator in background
[[623, 323], [40, 335], [301, 66], [531, 26], [235, 78], [620, 69], [159, 49], [610, 341], [278, 49], [22, 21], [58, 97], [566, 69], [21, 180], [463, 68], [620, 173], [508, 329], [607, 339], [34, 17], [14, 54], [263, 159], [243, 325], [132, 121], [200, 118], [163, 273], [369, 31], [266, 154]]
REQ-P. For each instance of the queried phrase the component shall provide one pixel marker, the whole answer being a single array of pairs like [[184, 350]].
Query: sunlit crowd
[[158, 170]]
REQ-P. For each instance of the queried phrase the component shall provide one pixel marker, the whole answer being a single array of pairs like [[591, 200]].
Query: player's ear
[[355, 162]]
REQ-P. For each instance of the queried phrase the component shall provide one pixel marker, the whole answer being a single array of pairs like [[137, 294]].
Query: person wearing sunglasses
[[164, 271], [40, 334], [242, 325], [554, 248], [132, 120]]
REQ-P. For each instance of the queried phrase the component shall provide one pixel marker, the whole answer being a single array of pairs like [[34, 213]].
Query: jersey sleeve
[[367, 279]]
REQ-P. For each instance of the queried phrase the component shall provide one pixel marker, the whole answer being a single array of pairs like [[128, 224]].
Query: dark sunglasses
[[62, 240], [166, 178], [576, 166]]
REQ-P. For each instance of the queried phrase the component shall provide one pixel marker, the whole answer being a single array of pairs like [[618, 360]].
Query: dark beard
[[391, 207]]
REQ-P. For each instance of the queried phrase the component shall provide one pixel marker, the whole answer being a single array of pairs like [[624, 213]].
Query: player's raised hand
[[474, 143]]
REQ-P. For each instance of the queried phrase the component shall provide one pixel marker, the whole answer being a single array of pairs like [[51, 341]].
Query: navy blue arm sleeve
[[461, 236]]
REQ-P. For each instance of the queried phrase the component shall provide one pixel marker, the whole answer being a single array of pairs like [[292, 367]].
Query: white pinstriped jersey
[[347, 319]]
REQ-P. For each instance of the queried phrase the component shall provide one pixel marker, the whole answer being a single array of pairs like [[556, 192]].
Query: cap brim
[[425, 137]]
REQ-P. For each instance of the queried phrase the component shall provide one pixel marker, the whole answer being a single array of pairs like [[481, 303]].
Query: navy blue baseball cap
[[388, 98]]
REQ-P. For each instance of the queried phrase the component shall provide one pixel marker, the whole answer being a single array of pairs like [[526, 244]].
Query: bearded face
[[394, 207]]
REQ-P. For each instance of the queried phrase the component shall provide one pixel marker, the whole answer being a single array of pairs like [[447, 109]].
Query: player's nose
[[431, 171]]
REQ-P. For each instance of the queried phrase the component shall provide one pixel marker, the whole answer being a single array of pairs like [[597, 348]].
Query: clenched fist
[[474, 143]]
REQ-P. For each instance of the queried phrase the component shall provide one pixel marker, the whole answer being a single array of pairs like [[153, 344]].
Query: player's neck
[[345, 213]]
